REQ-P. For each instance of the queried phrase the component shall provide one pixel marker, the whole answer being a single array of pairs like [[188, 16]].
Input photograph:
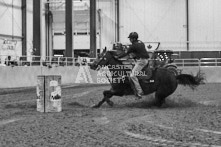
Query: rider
[[141, 60]]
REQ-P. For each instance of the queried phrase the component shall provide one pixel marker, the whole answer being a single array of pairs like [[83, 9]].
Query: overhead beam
[[117, 18], [24, 28], [11, 36], [68, 28], [187, 24], [93, 42], [37, 27], [48, 29]]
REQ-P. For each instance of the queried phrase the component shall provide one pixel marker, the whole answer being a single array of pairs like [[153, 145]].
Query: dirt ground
[[189, 118]]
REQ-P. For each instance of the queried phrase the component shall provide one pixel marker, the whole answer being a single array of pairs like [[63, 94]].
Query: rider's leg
[[139, 65]]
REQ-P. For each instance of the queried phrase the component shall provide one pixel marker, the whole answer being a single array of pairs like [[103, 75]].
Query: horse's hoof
[[110, 103], [94, 106]]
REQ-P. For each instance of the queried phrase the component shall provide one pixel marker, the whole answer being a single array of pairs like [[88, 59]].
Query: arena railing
[[187, 62], [43, 61], [198, 62], [210, 62], [69, 61]]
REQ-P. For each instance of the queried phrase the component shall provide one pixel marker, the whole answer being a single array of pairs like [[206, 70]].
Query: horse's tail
[[190, 80]]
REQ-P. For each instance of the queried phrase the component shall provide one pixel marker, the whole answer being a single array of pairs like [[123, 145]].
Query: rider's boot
[[136, 87], [139, 95]]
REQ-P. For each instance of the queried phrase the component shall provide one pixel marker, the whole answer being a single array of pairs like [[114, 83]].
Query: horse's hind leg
[[160, 98], [107, 96]]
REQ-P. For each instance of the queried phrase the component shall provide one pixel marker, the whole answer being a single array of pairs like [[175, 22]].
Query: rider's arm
[[122, 55], [130, 50]]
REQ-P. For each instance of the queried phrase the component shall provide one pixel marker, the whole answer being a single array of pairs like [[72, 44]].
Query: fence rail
[[43, 61], [69, 61], [187, 62], [198, 62]]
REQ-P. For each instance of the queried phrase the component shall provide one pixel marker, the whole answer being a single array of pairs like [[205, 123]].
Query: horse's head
[[104, 59]]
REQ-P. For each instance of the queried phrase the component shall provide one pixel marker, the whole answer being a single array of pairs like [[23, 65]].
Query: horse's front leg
[[107, 95], [99, 104]]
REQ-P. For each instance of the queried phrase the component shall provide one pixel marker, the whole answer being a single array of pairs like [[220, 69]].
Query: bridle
[[103, 58]]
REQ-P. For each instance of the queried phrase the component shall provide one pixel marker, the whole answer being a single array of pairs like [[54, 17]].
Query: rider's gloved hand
[[116, 57]]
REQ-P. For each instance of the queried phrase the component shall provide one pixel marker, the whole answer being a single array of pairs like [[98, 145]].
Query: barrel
[[49, 93]]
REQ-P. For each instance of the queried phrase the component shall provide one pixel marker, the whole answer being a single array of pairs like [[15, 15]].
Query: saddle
[[146, 74]]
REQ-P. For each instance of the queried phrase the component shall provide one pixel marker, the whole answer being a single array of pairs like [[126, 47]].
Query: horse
[[165, 81]]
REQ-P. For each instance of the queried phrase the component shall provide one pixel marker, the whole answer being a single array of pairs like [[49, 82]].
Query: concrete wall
[[13, 77], [27, 76]]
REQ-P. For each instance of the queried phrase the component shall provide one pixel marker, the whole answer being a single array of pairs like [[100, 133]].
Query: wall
[[79, 42], [29, 27], [27, 76], [154, 20], [10, 22], [105, 26], [108, 23], [165, 21], [13, 77], [205, 20], [198, 54]]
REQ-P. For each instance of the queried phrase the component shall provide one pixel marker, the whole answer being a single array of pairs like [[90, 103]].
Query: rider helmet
[[133, 35]]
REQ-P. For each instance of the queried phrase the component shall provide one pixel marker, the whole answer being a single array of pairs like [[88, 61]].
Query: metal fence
[[69, 61], [198, 62], [43, 61]]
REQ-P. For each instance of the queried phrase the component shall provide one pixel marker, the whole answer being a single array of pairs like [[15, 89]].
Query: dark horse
[[165, 82]]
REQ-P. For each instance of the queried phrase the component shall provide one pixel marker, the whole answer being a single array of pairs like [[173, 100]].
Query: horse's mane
[[113, 54]]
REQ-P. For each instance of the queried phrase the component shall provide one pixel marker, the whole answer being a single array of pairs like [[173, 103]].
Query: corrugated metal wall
[[107, 22], [205, 24], [10, 22], [29, 27], [165, 21], [10, 17], [154, 20]]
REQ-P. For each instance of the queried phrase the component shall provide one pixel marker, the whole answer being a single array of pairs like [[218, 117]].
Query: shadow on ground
[[20, 106], [76, 104], [170, 103]]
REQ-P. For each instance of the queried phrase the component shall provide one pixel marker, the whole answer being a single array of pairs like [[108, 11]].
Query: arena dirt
[[189, 118]]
